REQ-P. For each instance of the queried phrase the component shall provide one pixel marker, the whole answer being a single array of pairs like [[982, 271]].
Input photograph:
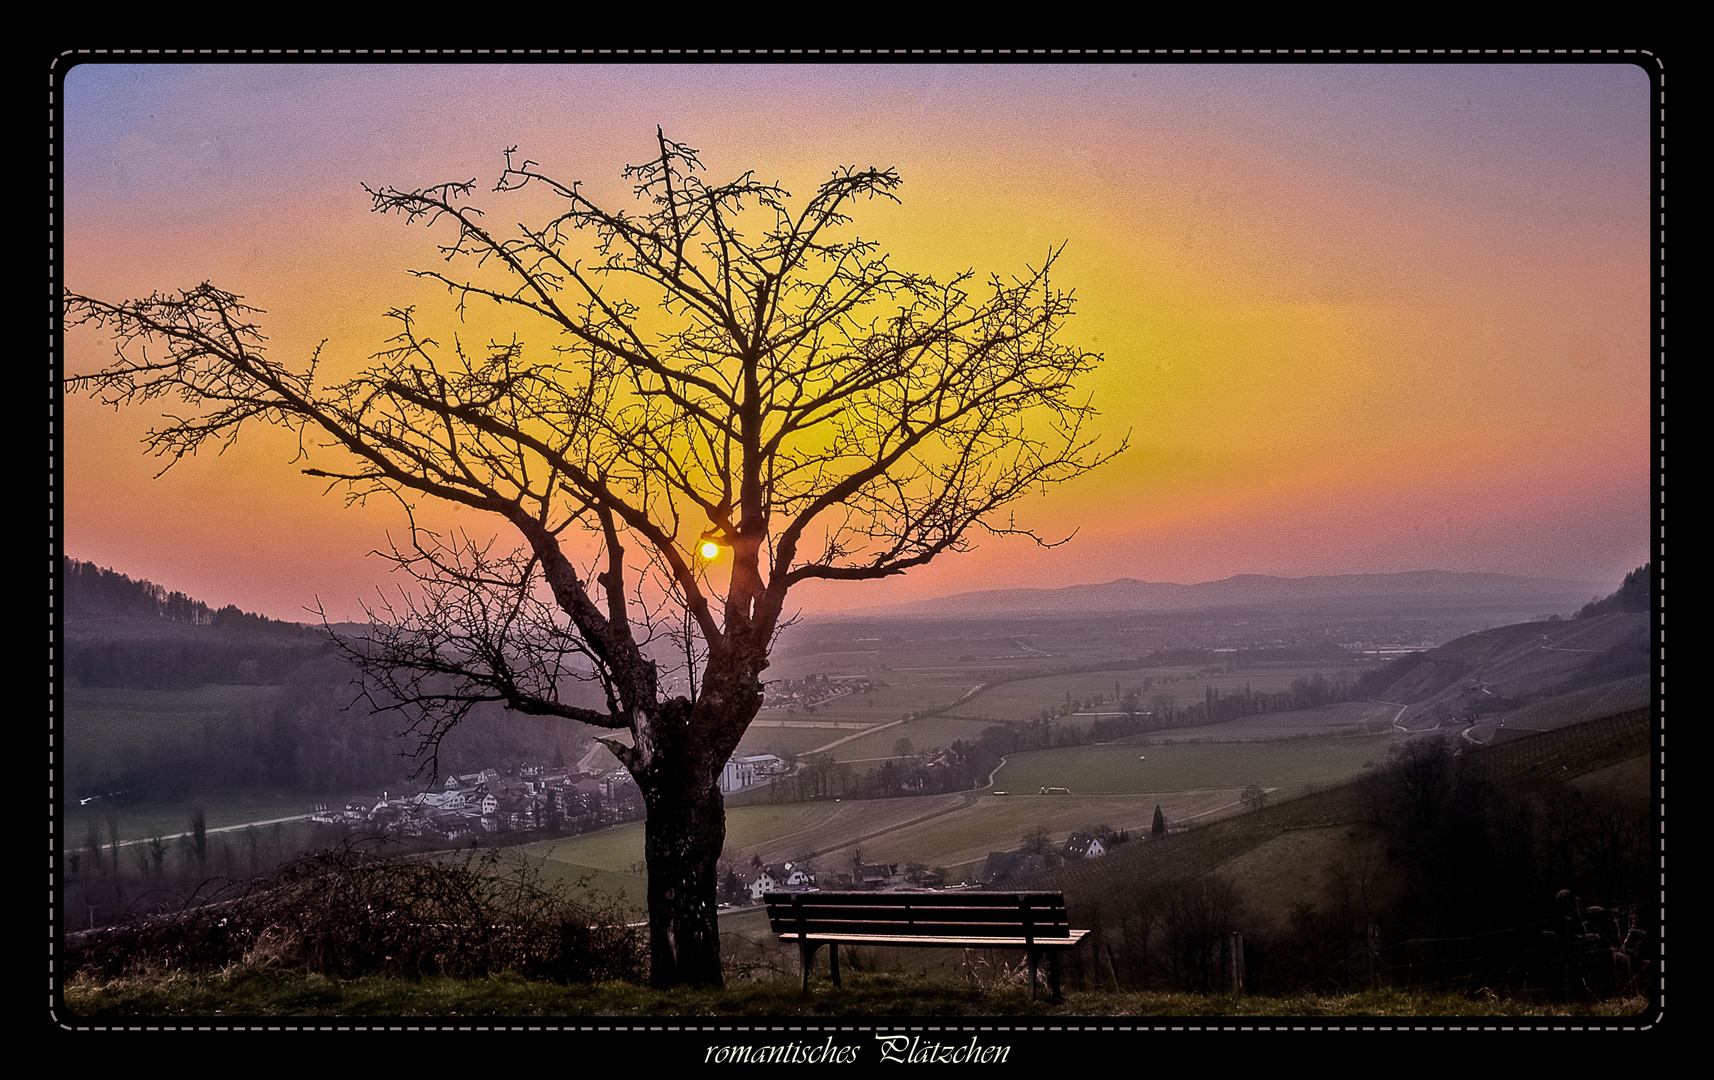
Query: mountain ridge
[[1131, 594]]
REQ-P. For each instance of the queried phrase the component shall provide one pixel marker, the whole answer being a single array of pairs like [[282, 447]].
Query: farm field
[[795, 831], [806, 740], [614, 849], [1346, 718], [950, 830], [775, 832], [999, 823], [928, 732], [1294, 866], [913, 689], [1626, 781], [629, 890], [101, 723], [1024, 700], [1119, 769], [139, 821]]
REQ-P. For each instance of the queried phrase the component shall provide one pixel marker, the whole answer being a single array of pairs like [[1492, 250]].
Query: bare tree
[[1198, 916], [728, 384], [1038, 841]]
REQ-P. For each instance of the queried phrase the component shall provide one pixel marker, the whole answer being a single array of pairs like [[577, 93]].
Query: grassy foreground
[[252, 992]]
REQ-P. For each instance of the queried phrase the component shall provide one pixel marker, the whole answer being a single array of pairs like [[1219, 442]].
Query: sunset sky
[[1356, 318]]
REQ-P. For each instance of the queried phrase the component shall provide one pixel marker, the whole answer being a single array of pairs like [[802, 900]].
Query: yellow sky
[[1354, 319]]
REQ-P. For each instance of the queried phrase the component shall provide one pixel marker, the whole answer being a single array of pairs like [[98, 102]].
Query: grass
[[1343, 719], [1119, 769], [939, 830], [935, 682], [1191, 782], [139, 821], [261, 992]]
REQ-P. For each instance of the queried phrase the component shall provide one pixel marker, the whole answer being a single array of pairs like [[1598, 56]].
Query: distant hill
[[1531, 676], [1356, 592], [124, 632]]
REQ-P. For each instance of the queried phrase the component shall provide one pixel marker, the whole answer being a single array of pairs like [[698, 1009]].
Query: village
[[812, 690], [474, 806], [534, 798], [525, 798], [1038, 853]]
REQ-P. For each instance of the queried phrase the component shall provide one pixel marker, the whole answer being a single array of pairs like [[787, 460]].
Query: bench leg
[[833, 954], [806, 952], [1035, 961]]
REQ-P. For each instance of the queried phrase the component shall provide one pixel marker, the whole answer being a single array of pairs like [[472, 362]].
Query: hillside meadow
[[104, 724]]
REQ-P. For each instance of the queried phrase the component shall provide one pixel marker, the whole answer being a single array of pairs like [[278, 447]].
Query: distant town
[[534, 798], [526, 798]]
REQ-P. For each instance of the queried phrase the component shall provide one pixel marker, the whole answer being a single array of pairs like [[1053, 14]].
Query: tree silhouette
[[727, 384], [1038, 841]]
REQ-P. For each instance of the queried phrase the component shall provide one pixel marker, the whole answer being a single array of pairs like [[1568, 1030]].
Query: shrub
[[345, 912]]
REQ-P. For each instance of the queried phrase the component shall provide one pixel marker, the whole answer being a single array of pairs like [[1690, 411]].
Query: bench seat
[[1033, 922]]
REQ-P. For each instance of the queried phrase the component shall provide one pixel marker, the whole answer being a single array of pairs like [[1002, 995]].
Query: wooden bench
[[1033, 922]]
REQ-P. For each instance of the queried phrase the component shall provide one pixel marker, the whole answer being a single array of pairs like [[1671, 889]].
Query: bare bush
[[347, 913]]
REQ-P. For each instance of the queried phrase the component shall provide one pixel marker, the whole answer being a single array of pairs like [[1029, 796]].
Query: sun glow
[[1356, 318]]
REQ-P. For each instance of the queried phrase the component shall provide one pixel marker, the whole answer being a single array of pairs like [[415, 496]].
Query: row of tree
[[91, 590], [136, 634]]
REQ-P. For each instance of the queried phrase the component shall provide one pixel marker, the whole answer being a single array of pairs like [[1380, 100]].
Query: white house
[[780, 879], [1084, 846], [741, 772]]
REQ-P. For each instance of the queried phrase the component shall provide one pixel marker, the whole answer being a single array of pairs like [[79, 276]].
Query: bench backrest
[[959, 914]]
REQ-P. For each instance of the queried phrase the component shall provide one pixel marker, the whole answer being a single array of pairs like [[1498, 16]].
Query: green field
[[143, 820], [797, 740], [992, 823], [103, 724], [1342, 719], [1191, 782], [931, 731], [1118, 768], [934, 686]]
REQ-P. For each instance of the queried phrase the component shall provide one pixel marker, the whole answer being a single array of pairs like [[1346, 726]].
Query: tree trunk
[[682, 752], [682, 840]]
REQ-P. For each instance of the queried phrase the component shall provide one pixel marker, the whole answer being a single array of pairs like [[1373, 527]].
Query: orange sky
[[1355, 318]]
